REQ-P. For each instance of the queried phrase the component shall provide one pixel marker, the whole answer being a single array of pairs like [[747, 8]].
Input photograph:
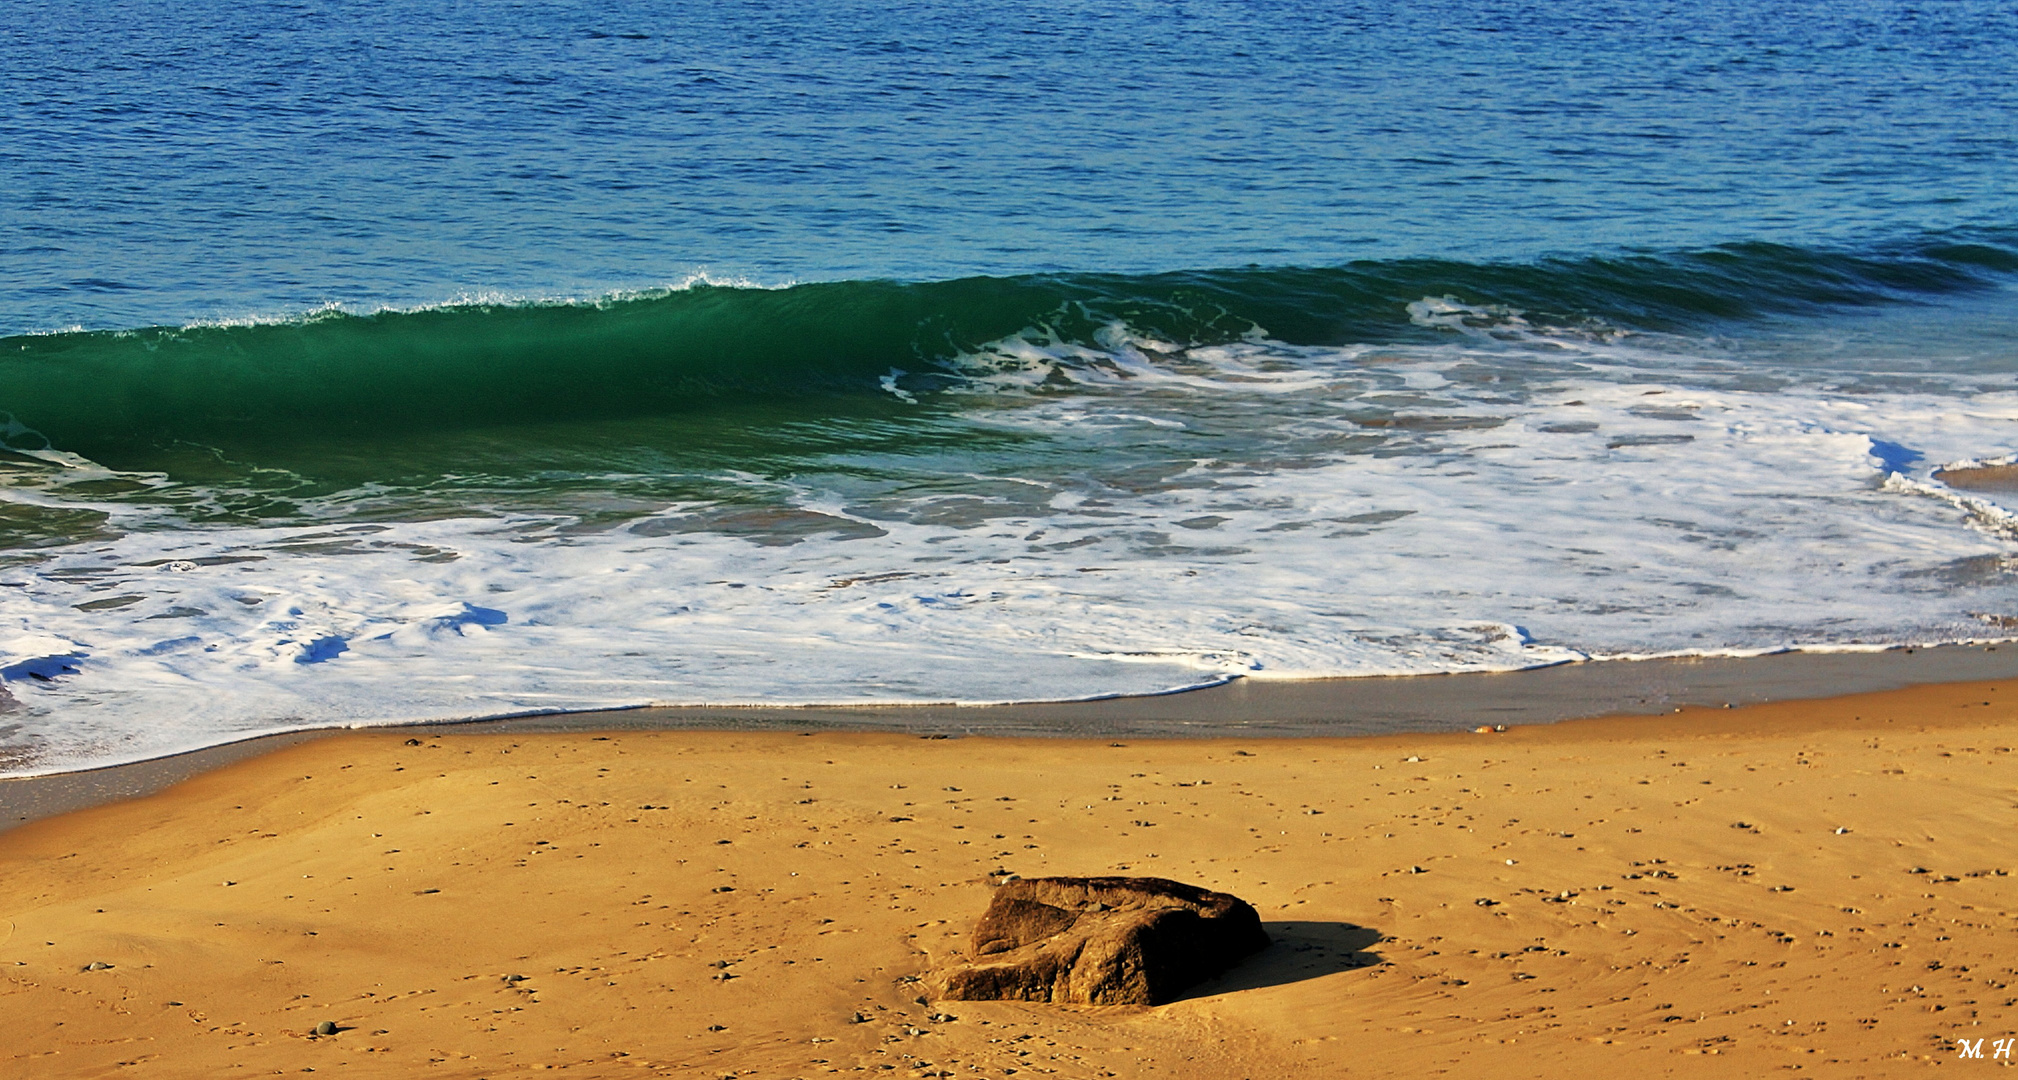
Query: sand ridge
[[1818, 886]]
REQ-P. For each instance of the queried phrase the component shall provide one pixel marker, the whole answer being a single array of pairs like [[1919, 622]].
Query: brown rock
[[1102, 941]]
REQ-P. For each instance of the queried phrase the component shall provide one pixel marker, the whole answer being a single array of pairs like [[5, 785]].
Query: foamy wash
[[1588, 362]]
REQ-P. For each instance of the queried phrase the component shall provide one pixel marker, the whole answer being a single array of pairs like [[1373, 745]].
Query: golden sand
[[1821, 887]]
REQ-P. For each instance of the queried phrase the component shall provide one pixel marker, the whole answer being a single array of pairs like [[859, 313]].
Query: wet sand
[[1981, 478], [1250, 707], [1820, 886]]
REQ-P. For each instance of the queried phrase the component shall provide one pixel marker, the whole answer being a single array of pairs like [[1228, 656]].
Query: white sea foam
[[1515, 509], [480, 298]]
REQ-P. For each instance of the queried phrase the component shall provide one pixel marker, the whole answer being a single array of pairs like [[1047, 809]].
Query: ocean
[[378, 363]]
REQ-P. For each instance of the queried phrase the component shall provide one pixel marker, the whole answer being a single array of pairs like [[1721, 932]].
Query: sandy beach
[[1818, 886], [687, 540]]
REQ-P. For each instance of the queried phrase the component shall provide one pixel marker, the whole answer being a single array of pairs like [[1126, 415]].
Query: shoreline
[[1250, 708]]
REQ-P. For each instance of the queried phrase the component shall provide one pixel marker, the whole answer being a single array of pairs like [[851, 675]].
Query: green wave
[[362, 377]]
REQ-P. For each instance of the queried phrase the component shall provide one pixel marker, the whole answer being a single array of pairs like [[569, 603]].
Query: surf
[[118, 395]]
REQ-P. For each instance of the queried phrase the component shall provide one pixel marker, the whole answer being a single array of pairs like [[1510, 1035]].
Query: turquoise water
[[390, 362]]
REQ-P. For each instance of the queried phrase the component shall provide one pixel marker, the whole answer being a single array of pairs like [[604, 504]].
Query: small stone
[[98, 965], [413, 742], [327, 1027]]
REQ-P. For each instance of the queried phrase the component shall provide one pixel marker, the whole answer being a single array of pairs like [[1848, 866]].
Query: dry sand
[[1816, 886]]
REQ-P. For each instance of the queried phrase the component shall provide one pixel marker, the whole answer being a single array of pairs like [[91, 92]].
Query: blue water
[[162, 163], [364, 363]]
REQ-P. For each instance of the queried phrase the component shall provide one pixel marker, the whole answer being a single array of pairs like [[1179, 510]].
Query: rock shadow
[[1297, 951]]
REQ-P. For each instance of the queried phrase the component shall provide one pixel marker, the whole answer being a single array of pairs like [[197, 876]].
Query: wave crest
[[333, 373]]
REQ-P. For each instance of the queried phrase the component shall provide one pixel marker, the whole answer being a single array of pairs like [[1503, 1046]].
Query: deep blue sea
[[364, 363]]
